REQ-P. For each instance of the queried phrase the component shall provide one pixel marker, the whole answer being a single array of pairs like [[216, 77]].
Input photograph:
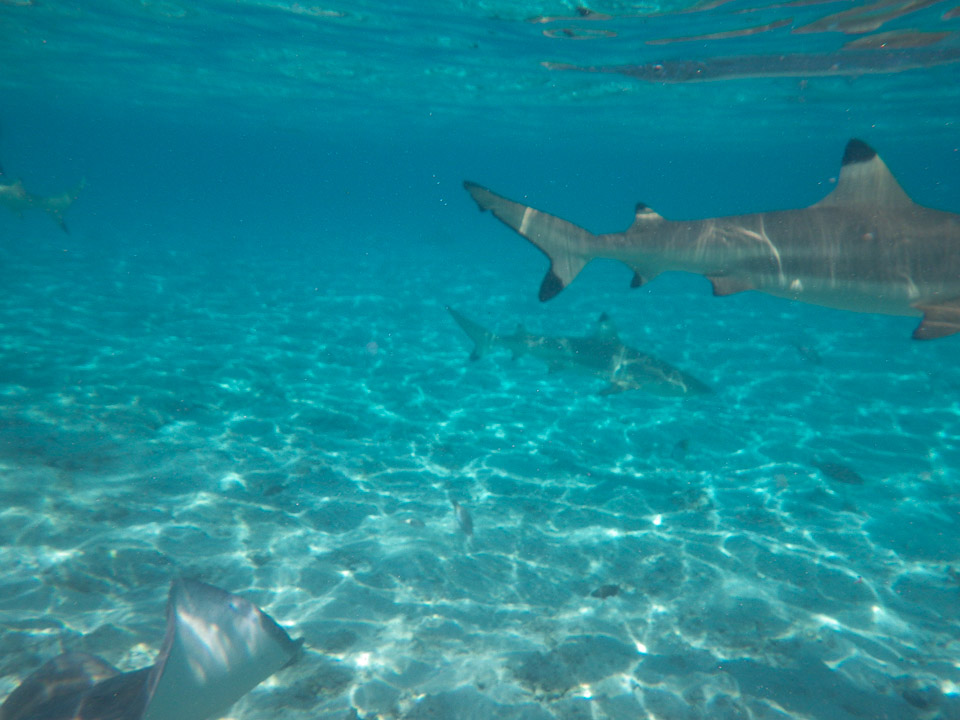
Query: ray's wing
[[61, 688], [218, 647]]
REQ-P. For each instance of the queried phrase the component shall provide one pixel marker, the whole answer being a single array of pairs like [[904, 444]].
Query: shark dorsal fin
[[606, 328], [644, 216], [865, 180]]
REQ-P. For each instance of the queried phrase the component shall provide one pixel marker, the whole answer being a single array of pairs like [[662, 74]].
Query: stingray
[[217, 648]]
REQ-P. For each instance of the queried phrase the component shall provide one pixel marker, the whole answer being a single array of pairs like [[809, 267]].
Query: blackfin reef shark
[[601, 354], [15, 196], [867, 247]]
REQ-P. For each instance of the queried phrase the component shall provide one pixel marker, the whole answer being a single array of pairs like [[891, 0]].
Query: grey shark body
[[601, 354], [865, 247], [15, 197]]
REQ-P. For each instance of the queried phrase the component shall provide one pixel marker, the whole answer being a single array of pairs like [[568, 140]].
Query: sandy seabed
[[295, 431]]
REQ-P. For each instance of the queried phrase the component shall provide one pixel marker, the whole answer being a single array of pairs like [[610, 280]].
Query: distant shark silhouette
[[601, 354], [217, 648], [865, 247], [15, 196]]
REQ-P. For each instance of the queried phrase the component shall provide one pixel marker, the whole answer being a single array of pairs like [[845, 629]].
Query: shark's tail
[[568, 246], [57, 205], [482, 338]]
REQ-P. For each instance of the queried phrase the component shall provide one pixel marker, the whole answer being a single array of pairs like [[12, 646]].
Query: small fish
[[605, 591], [808, 352], [463, 518], [414, 522], [840, 473], [680, 449]]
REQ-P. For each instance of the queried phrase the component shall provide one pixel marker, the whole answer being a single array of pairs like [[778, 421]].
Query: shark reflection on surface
[[601, 354]]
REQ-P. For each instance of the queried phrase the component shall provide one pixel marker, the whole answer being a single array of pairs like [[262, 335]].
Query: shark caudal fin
[[57, 205], [482, 338], [568, 246]]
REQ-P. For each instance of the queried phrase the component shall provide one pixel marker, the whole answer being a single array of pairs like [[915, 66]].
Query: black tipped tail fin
[[57, 205], [483, 339], [568, 246]]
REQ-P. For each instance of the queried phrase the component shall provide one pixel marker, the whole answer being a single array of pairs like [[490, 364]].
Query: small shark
[[15, 196], [865, 247], [217, 648], [600, 354]]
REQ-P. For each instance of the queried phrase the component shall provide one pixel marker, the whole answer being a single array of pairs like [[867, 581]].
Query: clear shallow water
[[237, 366]]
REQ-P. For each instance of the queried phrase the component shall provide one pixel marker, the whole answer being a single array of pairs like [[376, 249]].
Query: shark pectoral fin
[[728, 285], [58, 218], [612, 389], [939, 320], [568, 246]]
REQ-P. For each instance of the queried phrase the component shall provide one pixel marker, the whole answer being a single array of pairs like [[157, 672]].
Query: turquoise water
[[237, 365]]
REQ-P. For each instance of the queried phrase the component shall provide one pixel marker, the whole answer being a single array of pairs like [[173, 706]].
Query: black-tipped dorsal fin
[[864, 180], [644, 215]]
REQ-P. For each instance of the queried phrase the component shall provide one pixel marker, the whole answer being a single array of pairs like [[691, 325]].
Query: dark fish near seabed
[[463, 518], [605, 591], [838, 472], [808, 352]]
